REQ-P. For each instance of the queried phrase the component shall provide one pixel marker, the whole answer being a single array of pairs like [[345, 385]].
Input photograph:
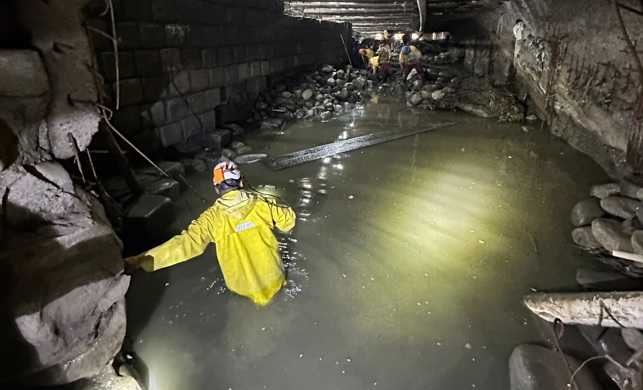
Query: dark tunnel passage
[[321, 194]]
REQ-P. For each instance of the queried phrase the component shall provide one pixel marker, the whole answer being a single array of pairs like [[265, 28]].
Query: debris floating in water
[[332, 149]]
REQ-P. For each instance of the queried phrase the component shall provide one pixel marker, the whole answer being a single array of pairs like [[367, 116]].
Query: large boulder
[[611, 236], [63, 288], [620, 206], [585, 211], [532, 367]]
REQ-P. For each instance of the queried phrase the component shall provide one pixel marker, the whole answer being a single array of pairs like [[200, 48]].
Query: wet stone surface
[[406, 269]]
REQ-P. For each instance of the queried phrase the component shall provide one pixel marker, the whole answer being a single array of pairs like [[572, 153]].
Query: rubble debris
[[317, 152]]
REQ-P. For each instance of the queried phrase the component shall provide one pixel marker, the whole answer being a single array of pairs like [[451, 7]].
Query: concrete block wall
[[204, 57]]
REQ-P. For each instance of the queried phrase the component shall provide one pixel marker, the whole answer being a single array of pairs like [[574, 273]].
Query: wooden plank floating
[[318, 152], [608, 309]]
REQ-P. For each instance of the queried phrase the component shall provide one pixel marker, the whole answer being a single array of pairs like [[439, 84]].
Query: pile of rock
[[319, 95], [437, 92], [609, 313], [611, 220]]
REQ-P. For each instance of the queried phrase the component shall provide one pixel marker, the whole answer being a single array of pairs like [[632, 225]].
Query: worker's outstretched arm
[[283, 217], [190, 243]]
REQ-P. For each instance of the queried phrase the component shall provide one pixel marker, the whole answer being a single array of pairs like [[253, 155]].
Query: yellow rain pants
[[240, 223]]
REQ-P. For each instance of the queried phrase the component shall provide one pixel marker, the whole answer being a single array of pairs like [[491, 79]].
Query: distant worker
[[410, 57], [367, 54], [240, 223], [384, 61]]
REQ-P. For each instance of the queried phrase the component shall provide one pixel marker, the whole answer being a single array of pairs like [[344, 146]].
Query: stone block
[[191, 58], [22, 73], [225, 56], [220, 137], [209, 57], [148, 63], [156, 88], [176, 109], [231, 74], [199, 80], [217, 77], [128, 119], [131, 92], [190, 126], [152, 35], [198, 102], [171, 134], [213, 36], [126, 66], [182, 82], [213, 97], [208, 119], [240, 54], [157, 113], [265, 68], [128, 35], [171, 60], [255, 69], [256, 84], [134, 10], [177, 35], [146, 215], [169, 188], [243, 71], [163, 10]]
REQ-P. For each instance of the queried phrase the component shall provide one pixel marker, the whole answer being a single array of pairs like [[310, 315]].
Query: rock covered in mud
[[609, 233], [584, 238], [585, 211], [65, 306], [602, 191], [620, 206], [533, 367]]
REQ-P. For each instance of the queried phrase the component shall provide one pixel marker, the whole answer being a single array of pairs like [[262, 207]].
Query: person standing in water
[[240, 223]]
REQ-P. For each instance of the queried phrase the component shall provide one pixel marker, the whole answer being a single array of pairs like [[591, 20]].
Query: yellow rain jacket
[[240, 223]]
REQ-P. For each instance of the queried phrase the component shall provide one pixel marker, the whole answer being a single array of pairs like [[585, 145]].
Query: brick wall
[[208, 57]]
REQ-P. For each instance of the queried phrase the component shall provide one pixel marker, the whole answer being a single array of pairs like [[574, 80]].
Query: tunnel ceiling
[[369, 17]]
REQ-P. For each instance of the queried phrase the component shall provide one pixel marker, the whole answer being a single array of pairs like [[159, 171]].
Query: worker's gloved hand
[[135, 262]]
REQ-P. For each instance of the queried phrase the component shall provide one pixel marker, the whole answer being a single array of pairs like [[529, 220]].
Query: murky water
[[406, 269]]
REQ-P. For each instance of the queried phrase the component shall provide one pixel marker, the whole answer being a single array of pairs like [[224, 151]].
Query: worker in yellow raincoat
[[240, 223]]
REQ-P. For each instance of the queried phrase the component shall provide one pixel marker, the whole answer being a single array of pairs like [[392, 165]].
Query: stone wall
[[209, 58], [574, 63], [62, 287]]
